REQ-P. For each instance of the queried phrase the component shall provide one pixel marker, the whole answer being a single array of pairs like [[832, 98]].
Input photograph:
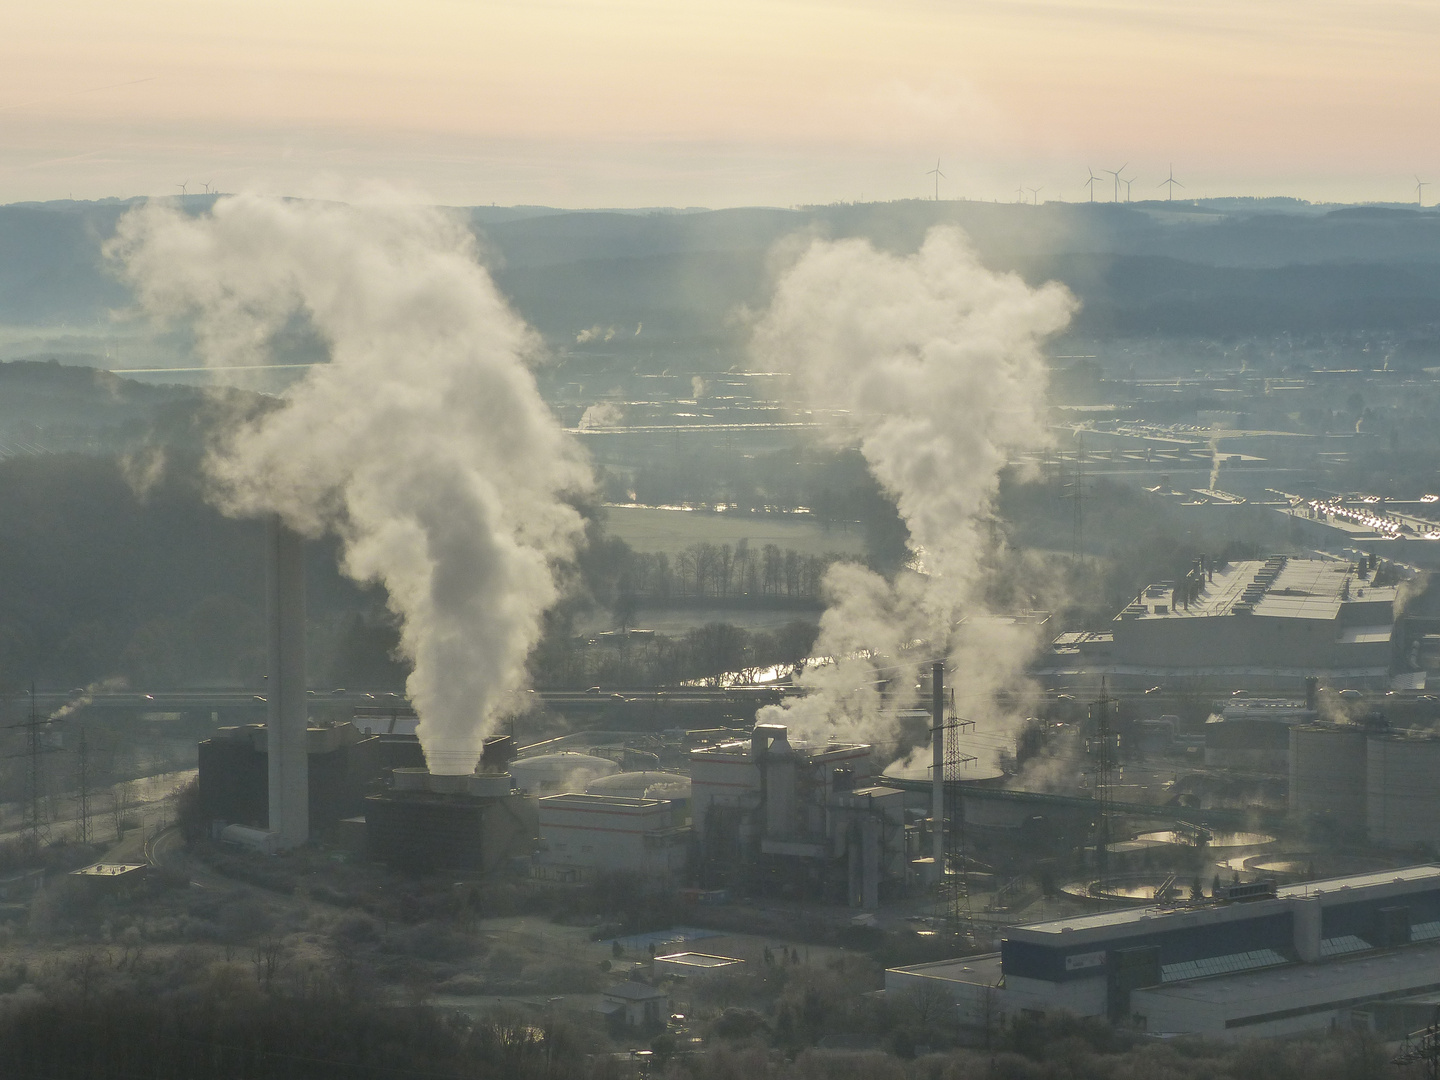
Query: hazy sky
[[694, 102]]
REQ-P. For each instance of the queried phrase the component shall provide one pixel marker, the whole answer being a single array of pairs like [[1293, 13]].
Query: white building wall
[[602, 832], [1083, 997]]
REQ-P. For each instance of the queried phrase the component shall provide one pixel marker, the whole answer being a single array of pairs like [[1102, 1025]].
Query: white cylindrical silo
[[489, 785], [410, 779], [1402, 790], [1327, 771]]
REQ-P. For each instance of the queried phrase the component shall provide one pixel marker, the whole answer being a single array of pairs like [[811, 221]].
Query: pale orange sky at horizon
[[641, 103]]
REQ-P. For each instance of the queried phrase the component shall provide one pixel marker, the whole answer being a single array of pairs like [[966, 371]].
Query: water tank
[[489, 785], [410, 779], [1327, 771], [1402, 790], [549, 774], [642, 785], [447, 783]]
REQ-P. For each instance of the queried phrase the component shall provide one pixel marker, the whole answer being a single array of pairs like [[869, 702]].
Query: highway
[[202, 698]]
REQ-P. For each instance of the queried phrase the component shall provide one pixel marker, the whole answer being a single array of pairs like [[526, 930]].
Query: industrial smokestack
[[937, 767], [286, 719]]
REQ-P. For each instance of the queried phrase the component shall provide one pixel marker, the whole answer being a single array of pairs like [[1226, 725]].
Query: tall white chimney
[[286, 715]]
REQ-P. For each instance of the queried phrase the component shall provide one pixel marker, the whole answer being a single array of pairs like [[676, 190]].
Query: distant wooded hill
[[1236, 267]]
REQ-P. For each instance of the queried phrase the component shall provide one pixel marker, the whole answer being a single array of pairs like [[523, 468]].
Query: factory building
[[797, 819], [1263, 625], [582, 835], [428, 822], [341, 766], [1267, 963], [1368, 780]]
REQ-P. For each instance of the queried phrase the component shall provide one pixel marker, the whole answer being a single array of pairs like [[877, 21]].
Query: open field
[[654, 529]]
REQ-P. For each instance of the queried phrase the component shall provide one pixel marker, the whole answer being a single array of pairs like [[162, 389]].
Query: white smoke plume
[[602, 414], [595, 333], [423, 443], [933, 363]]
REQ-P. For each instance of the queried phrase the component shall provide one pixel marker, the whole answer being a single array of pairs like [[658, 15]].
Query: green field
[[672, 531]]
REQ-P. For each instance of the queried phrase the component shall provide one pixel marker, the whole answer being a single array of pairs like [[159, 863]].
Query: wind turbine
[[1035, 194], [207, 187], [935, 172], [1116, 174], [1172, 182], [1091, 183], [1420, 186], [1020, 194], [184, 190], [1127, 184]]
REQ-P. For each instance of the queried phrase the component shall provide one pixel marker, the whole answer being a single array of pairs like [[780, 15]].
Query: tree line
[[723, 571]]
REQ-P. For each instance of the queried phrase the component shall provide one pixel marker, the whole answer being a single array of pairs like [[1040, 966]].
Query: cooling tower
[[286, 718]]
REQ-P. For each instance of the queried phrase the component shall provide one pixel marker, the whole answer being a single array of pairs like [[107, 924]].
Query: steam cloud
[[933, 362], [423, 443]]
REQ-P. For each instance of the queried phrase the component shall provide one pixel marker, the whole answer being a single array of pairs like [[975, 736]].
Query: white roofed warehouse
[[1267, 963], [1260, 624]]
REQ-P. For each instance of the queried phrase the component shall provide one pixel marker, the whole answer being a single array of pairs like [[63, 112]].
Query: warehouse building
[[1266, 963], [1259, 625]]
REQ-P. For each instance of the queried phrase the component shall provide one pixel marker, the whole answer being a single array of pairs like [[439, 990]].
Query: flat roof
[[1338, 982], [1420, 872], [1301, 589], [982, 970], [740, 748], [579, 799], [1153, 916], [108, 869], [700, 960], [878, 791]]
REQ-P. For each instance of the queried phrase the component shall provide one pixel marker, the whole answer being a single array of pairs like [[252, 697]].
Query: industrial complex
[[1257, 625], [1255, 961], [1174, 917]]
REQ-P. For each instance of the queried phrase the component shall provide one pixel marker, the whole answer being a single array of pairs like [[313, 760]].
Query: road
[[168, 852], [170, 700]]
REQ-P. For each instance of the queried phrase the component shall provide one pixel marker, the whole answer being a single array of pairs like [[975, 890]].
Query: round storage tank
[[1327, 771], [489, 785], [1402, 790], [411, 779], [549, 774], [642, 785]]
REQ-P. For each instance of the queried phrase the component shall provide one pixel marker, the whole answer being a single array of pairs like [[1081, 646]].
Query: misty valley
[[900, 639]]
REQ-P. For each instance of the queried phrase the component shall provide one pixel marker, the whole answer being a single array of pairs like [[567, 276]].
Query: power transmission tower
[[1075, 492], [1104, 779], [84, 778], [37, 826], [1423, 1045], [955, 882]]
